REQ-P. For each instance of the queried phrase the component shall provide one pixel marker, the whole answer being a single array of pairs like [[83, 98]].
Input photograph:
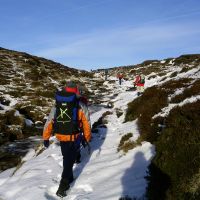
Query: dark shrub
[[13, 119], [174, 74], [45, 93], [17, 92], [4, 101], [189, 92], [163, 73], [100, 121], [127, 144], [172, 85], [144, 108], [152, 76], [177, 156], [187, 59], [125, 138], [106, 114], [4, 81], [119, 112], [111, 81], [184, 69], [157, 179]]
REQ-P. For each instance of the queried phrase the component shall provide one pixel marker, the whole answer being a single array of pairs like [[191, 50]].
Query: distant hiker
[[139, 82], [120, 77], [64, 121], [106, 74]]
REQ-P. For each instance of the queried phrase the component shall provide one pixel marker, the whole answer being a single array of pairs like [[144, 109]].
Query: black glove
[[83, 143], [89, 149], [46, 143]]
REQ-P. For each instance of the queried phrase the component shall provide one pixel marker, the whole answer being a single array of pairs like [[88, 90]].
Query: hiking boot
[[78, 158], [63, 187]]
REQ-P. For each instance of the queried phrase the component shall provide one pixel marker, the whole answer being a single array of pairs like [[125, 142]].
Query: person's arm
[[85, 110], [48, 127], [86, 125]]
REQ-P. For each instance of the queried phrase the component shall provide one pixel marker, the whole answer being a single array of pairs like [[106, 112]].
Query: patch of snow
[[165, 111], [28, 122]]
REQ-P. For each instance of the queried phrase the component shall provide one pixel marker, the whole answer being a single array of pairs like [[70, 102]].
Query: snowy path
[[104, 174]]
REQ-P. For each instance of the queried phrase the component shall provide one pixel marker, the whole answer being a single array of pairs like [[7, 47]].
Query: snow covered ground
[[104, 174]]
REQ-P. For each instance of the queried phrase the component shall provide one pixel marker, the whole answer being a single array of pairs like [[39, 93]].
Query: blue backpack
[[66, 116]]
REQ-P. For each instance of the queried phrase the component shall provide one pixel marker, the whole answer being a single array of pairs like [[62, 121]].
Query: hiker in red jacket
[[139, 82], [120, 77]]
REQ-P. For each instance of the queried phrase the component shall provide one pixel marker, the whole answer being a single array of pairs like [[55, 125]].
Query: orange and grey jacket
[[85, 127]]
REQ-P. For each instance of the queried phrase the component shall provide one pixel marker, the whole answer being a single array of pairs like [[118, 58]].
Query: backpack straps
[[66, 117]]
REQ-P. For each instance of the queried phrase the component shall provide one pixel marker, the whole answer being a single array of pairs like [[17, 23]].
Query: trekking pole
[[89, 148], [85, 143]]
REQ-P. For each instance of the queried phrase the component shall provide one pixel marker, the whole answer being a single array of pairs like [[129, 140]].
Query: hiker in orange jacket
[[68, 139]]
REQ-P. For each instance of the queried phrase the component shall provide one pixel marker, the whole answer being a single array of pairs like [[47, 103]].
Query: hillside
[[159, 129], [168, 116], [27, 87]]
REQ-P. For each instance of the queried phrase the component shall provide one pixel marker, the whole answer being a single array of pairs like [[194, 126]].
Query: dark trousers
[[120, 81], [69, 152]]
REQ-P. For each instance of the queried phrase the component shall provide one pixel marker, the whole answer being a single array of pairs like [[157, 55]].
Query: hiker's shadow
[[98, 137], [133, 180]]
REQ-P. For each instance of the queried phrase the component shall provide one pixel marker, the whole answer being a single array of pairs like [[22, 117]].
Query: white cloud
[[116, 42]]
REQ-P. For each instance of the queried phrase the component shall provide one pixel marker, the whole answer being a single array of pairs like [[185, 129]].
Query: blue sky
[[91, 34]]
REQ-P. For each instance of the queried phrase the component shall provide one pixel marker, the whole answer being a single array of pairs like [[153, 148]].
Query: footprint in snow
[[57, 179], [42, 186], [56, 157], [87, 188]]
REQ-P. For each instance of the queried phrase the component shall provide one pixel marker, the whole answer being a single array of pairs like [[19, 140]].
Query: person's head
[[72, 87]]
